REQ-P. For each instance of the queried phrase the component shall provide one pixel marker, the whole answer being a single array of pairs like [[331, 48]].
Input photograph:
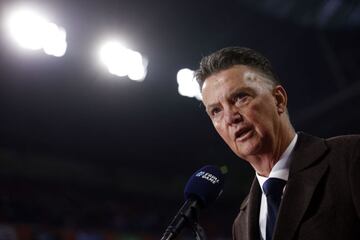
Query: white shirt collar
[[281, 168]]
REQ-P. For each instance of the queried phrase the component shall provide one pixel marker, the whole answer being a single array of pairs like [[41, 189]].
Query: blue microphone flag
[[205, 185]]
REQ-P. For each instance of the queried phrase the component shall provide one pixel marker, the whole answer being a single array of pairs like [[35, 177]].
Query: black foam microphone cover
[[202, 189]]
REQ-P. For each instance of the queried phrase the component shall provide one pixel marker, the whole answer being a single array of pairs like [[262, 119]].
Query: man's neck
[[264, 163]]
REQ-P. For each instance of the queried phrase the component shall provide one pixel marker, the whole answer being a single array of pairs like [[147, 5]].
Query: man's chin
[[247, 150]]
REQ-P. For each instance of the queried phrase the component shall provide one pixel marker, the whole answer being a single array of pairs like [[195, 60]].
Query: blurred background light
[[187, 85], [32, 31], [55, 40], [122, 61]]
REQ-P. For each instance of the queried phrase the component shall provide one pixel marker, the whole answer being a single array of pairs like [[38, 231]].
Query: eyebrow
[[237, 92], [231, 95]]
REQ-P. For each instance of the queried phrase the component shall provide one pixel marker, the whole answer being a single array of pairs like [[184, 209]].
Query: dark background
[[81, 148]]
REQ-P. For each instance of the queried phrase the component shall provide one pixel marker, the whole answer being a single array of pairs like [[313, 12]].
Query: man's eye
[[214, 111], [240, 97]]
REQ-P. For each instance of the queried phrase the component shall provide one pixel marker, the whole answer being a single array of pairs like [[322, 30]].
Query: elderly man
[[305, 187]]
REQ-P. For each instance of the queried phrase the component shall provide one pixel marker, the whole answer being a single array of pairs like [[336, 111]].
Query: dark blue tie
[[273, 189]]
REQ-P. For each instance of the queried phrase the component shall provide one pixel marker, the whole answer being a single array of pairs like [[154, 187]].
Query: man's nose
[[232, 116]]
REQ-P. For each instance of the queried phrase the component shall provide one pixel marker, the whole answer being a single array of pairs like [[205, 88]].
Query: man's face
[[245, 109]]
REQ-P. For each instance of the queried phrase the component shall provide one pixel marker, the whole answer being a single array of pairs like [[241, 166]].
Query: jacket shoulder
[[349, 144], [344, 139]]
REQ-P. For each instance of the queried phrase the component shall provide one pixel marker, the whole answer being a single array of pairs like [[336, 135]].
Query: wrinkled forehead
[[239, 76], [254, 76]]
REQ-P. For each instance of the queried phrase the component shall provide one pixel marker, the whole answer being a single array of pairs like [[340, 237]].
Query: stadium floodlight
[[55, 40], [122, 61], [32, 31], [187, 85], [137, 66]]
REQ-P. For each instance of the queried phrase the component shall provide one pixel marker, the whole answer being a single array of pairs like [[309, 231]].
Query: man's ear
[[280, 96]]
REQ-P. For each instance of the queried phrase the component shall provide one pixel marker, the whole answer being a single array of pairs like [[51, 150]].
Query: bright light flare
[[32, 31], [187, 85], [114, 56], [26, 28], [122, 61], [55, 40]]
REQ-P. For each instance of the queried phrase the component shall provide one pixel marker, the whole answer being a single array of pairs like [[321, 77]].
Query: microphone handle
[[187, 213]]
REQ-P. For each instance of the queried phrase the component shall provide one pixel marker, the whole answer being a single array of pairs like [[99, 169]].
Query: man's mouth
[[243, 134]]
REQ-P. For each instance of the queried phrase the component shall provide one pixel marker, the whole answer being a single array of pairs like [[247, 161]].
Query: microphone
[[201, 190]]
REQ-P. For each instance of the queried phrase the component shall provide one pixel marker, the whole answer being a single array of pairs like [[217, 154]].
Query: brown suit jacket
[[322, 195]]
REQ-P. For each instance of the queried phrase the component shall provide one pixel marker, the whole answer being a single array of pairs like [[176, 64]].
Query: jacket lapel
[[306, 171], [251, 208]]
